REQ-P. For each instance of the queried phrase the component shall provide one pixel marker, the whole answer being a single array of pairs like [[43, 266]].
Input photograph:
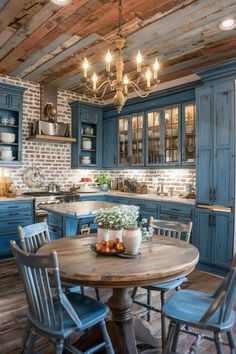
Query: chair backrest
[[179, 230], [45, 309], [34, 236], [224, 299]]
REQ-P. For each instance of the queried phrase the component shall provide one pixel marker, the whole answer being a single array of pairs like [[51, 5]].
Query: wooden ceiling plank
[[66, 53], [9, 10], [39, 19], [6, 34], [2, 4], [61, 39], [43, 59], [43, 35]]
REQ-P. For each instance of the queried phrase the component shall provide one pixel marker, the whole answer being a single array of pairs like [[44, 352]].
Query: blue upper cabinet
[[215, 144], [131, 140], [87, 129], [154, 138], [109, 158], [188, 153], [11, 108]]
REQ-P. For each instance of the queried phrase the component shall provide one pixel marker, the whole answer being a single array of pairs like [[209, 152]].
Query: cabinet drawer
[[176, 211], [55, 232], [117, 200], [144, 204], [12, 224], [92, 197], [15, 206], [15, 214], [55, 220]]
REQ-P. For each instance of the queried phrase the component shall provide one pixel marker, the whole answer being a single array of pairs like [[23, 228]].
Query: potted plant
[[103, 225], [135, 230], [110, 223], [104, 180]]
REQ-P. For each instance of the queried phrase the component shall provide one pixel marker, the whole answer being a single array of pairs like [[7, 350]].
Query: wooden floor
[[13, 307]]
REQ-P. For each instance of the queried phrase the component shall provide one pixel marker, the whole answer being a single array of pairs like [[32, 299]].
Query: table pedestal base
[[120, 305]]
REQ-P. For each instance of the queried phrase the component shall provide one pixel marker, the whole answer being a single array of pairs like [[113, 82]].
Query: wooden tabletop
[[161, 259]]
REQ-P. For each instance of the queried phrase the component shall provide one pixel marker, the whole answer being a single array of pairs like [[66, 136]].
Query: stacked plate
[[6, 153], [86, 160]]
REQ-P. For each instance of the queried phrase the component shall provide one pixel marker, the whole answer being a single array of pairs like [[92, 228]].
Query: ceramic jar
[[132, 238], [102, 234], [113, 234]]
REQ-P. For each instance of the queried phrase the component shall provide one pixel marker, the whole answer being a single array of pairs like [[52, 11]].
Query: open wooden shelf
[[51, 138]]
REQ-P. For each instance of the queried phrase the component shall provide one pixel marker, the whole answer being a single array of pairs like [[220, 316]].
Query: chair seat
[[168, 285], [188, 306], [88, 310]]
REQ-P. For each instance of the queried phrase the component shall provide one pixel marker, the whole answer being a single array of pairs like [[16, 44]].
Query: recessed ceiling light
[[227, 24], [61, 2]]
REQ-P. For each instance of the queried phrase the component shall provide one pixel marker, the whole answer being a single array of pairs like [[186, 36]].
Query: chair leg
[[30, 347], [97, 294], [82, 290], [134, 292], [109, 347], [60, 346], [231, 340], [169, 339], [163, 320], [149, 302], [218, 343], [175, 338], [25, 338]]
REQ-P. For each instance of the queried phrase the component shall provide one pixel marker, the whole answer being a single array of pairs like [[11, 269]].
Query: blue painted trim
[[167, 97], [76, 104], [224, 71], [12, 88]]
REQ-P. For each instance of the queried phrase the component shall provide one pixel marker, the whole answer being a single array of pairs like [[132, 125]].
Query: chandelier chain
[[120, 17]]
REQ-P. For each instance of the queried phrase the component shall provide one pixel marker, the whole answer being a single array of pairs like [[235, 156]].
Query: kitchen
[[195, 144]]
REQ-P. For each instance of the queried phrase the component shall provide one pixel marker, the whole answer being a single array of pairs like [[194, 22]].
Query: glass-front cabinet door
[[124, 141], [154, 132], [131, 140], [137, 143], [171, 135], [189, 133]]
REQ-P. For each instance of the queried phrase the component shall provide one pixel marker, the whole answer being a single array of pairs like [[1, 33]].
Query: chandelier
[[117, 81]]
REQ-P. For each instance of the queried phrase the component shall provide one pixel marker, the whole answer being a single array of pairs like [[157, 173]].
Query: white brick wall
[[54, 159]]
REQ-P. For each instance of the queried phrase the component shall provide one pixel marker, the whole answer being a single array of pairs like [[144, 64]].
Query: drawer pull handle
[[14, 213]]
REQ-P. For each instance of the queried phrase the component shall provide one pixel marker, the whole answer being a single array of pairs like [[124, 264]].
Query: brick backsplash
[[53, 159]]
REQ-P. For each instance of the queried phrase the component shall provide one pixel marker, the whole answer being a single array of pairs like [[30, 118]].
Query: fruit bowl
[[104, 253]]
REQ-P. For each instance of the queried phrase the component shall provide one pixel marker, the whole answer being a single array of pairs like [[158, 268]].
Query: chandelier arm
[[112, 86], [103, 93], [140, 92], [99, 87]]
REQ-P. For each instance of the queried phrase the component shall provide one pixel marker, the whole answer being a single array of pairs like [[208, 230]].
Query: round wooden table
[[161, 259]]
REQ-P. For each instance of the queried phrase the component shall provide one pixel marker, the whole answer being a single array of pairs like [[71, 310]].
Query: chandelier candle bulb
[[85, 67], [156, 67], [108, 61], [139, 61], [148, 77], [95, 79]]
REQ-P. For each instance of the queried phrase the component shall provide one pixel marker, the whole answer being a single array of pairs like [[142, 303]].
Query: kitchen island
[[68, 219]]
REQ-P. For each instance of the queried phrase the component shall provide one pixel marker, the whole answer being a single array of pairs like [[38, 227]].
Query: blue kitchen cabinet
[[86, 152], [147, 208], [11, 108], [12, 214], [215, 144], [131, 147], [214, 237], [117, 200], [109, 157]]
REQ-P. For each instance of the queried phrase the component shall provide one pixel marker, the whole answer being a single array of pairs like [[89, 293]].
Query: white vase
[[113, 234], [102, 234], [132, 240]]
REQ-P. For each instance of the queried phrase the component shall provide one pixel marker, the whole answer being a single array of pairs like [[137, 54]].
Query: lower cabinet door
[[203, 234], [222, 224], [55, 232], [5, 249]]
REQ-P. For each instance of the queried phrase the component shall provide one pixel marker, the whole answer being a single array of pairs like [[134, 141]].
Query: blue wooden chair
[[211, 312], [56, 316], [34, 236], [178, 230]]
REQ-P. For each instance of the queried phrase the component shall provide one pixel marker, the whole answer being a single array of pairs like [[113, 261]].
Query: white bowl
[[6, 153], [87, 144], [86, 162], [7, 138]]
